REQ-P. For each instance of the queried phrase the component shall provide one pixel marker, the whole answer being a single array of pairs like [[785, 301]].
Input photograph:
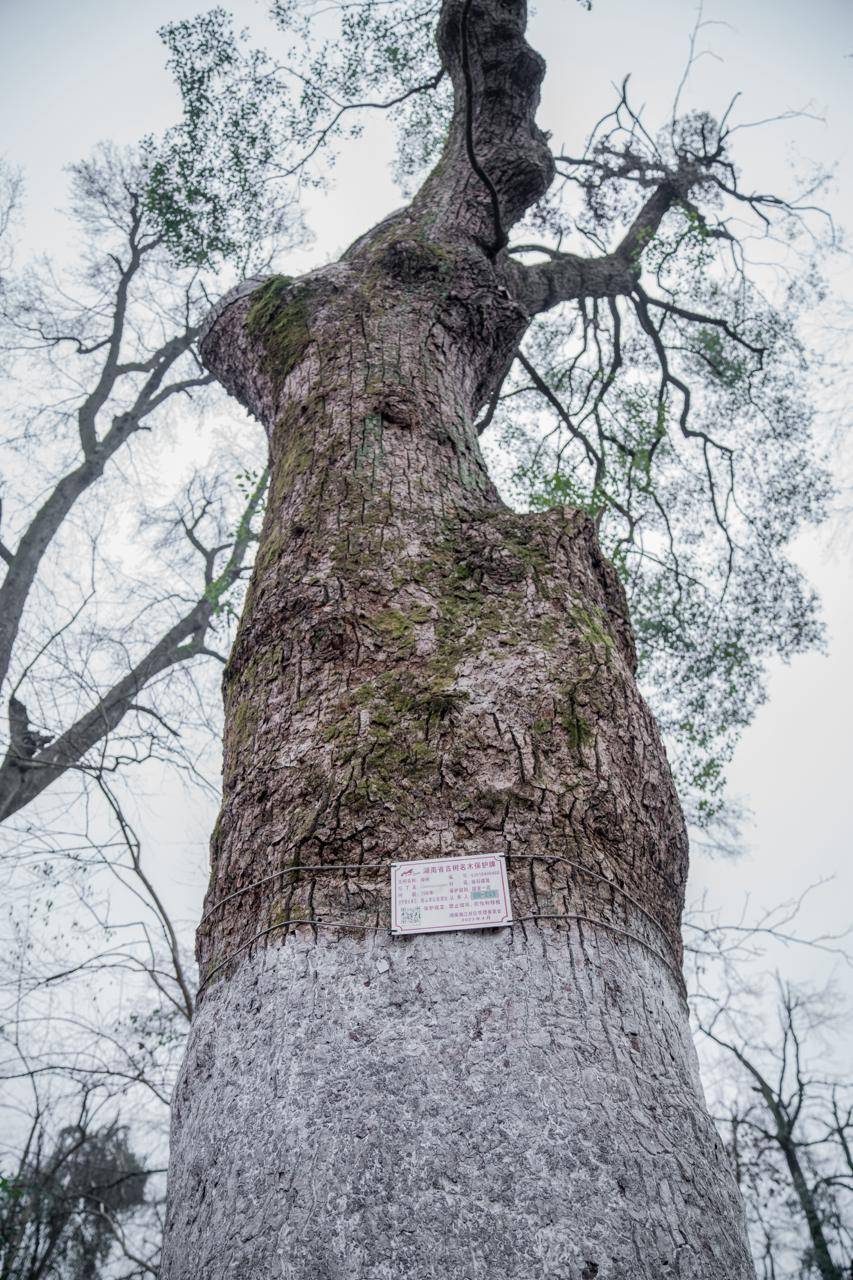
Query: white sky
[[73, 74]]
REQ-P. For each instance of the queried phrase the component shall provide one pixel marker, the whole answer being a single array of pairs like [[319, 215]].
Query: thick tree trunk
[[465, 1105], [418, 672]]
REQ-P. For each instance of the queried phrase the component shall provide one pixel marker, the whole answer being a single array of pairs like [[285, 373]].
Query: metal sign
[[436, 894]]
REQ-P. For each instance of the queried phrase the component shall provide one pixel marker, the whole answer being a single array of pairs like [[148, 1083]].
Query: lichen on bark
[[277, 320]]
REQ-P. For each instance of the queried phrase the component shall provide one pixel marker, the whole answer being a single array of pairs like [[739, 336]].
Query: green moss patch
[[278, 319]]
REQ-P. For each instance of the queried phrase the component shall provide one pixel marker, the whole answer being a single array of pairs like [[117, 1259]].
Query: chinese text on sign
[[435, 894]]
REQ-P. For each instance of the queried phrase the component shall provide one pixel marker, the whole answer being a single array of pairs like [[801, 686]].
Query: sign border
[[401, 932]]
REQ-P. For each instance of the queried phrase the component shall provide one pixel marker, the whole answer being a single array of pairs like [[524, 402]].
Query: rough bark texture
[[420, 671], [468, 1106]]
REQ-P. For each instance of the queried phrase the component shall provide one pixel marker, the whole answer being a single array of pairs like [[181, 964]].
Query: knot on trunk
[[25, 741]]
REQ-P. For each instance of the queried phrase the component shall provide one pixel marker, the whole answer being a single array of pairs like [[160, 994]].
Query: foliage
[[207, 177], [679, 415], [368, 54], [681, 418], [59, 1210]]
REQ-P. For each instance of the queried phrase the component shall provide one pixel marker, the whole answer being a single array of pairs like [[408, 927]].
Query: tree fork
[[420, 671]]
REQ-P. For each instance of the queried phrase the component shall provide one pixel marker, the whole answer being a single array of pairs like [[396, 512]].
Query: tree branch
[[46, 523], [568, 276], [496, 161], [24, 776]]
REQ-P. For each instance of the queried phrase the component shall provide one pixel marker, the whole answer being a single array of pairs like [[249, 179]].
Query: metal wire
[[344, 924], [374, 866], [595, 875], [283, 871], [613, 928]]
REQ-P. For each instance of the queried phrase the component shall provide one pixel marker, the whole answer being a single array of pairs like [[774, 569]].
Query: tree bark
[[418, 672]]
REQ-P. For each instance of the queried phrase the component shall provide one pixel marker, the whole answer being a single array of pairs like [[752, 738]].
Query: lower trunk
[[421, 672], [465, 1105]]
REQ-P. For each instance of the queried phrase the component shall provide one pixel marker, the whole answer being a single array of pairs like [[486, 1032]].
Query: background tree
[[95, 1001], [61, 1211], [791, 1138], [117, 345]]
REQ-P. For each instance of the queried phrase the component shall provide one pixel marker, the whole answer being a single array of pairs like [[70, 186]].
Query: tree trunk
[[421, 672], [820, 1248]]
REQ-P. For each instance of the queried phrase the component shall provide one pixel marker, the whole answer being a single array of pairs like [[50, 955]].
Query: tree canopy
[[673, 405]]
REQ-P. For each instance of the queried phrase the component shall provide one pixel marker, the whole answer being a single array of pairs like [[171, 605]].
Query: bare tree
[[62, 1208], [94, 1016], [791, 1140], [116, 344]]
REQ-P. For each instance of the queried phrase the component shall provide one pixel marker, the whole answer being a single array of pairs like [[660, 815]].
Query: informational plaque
[[436, 894]]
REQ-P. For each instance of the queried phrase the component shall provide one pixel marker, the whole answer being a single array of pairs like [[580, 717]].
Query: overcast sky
[[73, 74]]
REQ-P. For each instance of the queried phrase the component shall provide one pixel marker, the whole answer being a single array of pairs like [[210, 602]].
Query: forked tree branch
[[24, 561], [31, 764]]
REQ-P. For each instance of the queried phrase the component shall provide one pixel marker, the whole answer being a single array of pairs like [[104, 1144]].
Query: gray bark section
[[462, 1105]]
